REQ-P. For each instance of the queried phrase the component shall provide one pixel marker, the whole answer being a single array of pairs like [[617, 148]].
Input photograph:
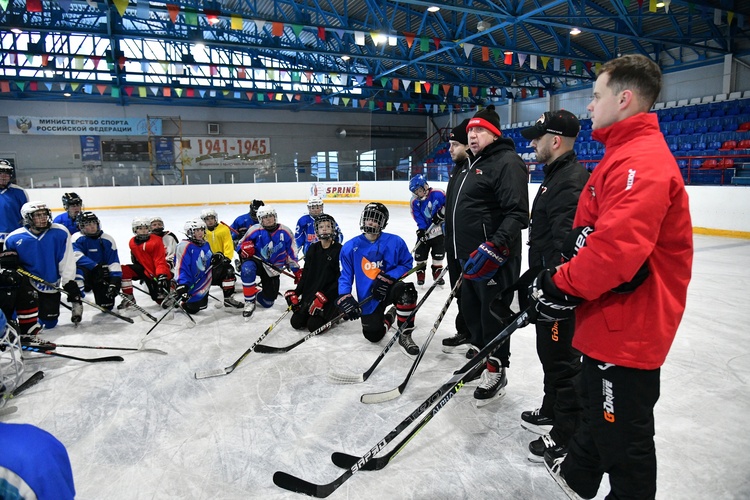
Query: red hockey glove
[[317, 305], [292, 299], [247, 249]]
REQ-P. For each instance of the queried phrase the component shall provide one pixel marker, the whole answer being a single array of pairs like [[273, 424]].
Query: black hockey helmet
[[376, 212], [7, 168], [254, 206], [71, 199], [86, 217], [334, 228]]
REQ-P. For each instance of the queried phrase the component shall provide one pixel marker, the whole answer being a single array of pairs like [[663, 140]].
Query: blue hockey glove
[[484, 261]]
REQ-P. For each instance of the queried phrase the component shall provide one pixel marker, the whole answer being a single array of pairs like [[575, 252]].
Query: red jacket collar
[[623, 131]]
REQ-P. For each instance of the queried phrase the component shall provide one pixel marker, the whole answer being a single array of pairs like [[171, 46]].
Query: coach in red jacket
[[627, 283]]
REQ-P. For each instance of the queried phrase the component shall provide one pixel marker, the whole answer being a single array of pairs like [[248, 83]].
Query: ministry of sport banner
[[48, 125]]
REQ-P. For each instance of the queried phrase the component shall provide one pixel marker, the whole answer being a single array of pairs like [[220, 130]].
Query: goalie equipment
[[11, 364]]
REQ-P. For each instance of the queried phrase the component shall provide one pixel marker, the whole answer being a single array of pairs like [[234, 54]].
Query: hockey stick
[[87, 360], [381, 397], [275, 268], [36, 278], [437, 401], [430, 233], [52, 345], [266, 349], [31, 381], [229, 369], [351, 378], [138, 308]]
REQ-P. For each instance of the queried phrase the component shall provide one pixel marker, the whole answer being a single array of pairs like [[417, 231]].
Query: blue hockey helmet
[[418, 181]]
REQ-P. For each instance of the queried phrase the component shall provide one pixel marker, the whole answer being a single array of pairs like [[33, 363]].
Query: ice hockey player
[[149, 264], [97, 261], [219, 238], [245, 221], [44, 249], [12, 198], [33, 462], [428, 212], [313, 301], [268, 242], [373, 262], [169, 239], [305, 234], [73, 204], [192, 270]]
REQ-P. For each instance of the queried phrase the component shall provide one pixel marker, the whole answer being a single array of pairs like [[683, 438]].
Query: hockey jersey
[[276, 247], [91, 251], [220, 240], [151, 255], [33, 464], [241, 224], [48, 255], [12, 199], [193, 268], [304, 235], [65, 220], [424, 209], [170, 245], [362, 260]]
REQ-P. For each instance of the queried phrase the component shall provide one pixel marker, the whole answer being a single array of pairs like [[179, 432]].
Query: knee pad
[[263, 301], [48, 323], [404, 293], [249, 271]]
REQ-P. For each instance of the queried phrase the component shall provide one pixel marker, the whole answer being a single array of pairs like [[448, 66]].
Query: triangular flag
[[259, 23], [521, 59], [446, 88], [384, 81], [406, 83], [436, 41], [33, 6], [48, 85], [730, 16], [277, 29], [417, 87], [236, 22], [141, 91], [64, 4], [427, 86], [442, 108], [339, 33], [121, 61], [424, 44], [241, 73], [101, 89], [128, 90], [142, 10], [212, 70], [94, 59], [75, 86], [666, 5], [467, 49], [474, 91], [567, 63], [652, 5], [164, 66], [178, 91], [212, 16], [532, 61], [202, 93], [173, 11], [45, 60], [248, 94], [359, 37], [545, 60], [394, 83], [21, 85], [270, 96], [121, 5], [154, 90], [297, 29], [396, 105], [409, 38], [114, 92]]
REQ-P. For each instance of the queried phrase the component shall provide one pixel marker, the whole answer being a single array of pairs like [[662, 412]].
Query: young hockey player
[[44, 249], [167, 237], [305, 234], [219, 237], [73, 204], [245, 221], [312, 301], [149, 264], [268, 242], [33, 463], [428, 212], [98, 264], [12, 198], [193, 268], [373, 261]]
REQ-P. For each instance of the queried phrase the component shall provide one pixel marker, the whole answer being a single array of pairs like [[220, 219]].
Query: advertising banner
[[225, 151], [91, 151], [335, 190], [48, 125]]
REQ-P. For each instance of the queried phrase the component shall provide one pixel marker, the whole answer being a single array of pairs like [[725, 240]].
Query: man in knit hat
[[485, 215], [459, 147]]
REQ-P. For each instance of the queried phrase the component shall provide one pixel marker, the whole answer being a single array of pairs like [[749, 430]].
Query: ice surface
[[147, 429]]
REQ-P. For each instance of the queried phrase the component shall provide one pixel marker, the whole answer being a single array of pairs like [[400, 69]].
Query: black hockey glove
[[9, 278], [74, 294], [100, 274], [162, 282], [381, 286], [182, 293], [439, 216], [113, 288], [217, 259], [421, 235], [349, 306], [548, 303]]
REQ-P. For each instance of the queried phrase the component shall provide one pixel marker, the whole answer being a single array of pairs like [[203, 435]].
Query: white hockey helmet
[[315, 203], [209, 212], [267, 211], [191, 226], [27, 212], [140, 222], [11, 364]]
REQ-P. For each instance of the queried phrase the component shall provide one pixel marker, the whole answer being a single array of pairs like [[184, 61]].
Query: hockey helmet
[[416, 182], [326, 232], [30, 208], [315, 203], [193, 225], [267, 211], [373, 212], [69, 199], [86, 217], [254, 206]]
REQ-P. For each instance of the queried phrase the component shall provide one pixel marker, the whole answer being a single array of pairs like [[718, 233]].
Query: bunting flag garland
[[409, 37], [174, 11], [467, 49], [236, 22]]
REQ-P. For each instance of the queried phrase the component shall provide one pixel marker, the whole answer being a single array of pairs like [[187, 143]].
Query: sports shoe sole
[[456, 349], [533, 458]]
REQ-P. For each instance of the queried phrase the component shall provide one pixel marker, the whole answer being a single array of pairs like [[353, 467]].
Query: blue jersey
[[12, 199], [48, 255], [241, 224], [276, 247], [193, 268], [65, 220], [33, 459], [305, 235], [423, 209], [362, 261], [91, 251]]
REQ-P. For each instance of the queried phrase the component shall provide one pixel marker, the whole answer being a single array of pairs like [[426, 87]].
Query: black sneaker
[[491, 384], [542, 444], [456, 344], [535, 422]]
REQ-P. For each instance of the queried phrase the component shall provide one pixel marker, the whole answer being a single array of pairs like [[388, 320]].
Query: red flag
[[34, 5], [322, 33]]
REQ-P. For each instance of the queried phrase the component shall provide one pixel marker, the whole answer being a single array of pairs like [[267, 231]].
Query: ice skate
[[492, 383], [457, 344], [542, 444], [248, 310], [407, 344], [233, 303], [535, 422]]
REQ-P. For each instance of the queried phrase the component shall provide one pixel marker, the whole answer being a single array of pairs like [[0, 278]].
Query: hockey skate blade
[[218, 372], [484, 402], [380, 397], [153, 350], [345, 378]]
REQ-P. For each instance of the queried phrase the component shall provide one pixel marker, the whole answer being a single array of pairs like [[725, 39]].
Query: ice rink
[[145, 428]]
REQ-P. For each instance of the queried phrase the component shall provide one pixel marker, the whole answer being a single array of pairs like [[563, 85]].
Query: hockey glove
[[381, 286], [317, 304], [297, 275], [439, 216], [484, 261], [113, 288], [349, 306], [182, 293], [217, 259], [100, 274], [547, 302], [162, 282], [247, 249], [74, 293], [421, 235], [292, 299], [9, 278]]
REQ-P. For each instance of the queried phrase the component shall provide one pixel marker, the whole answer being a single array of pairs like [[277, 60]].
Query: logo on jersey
[[631, 178], [371, 269]]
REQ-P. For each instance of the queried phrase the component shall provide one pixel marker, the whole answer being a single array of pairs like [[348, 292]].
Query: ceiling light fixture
[[433, 8], [575, 31], [345, 58], [659, 5], [17, 31], [483, 25], [67, 94]]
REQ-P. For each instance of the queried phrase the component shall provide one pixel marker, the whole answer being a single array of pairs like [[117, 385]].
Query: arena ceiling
[[332, 54]]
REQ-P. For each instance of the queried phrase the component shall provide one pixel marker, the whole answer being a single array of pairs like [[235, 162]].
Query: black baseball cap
[[561, 122]]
